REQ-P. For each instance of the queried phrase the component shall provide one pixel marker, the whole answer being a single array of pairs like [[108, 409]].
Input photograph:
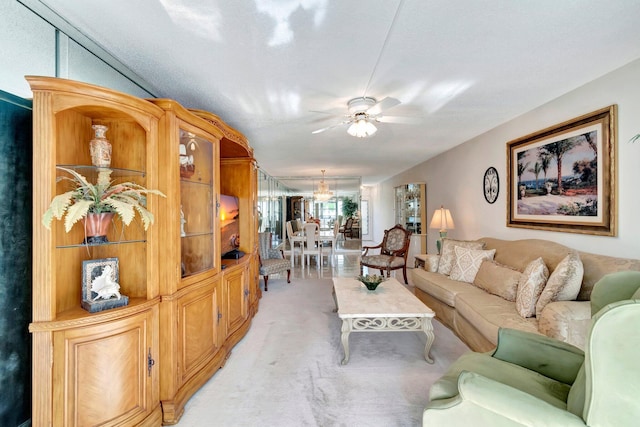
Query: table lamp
[[443, 221]]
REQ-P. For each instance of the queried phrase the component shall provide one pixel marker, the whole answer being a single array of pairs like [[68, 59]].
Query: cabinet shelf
[[91, 172], [192, 182], [80, 245], [204, 233], [78, 317]]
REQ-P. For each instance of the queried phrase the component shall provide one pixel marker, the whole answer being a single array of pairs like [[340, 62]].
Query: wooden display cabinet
[[191, 305], [81, 358], [140, 363], [239, 177], [204, 309]]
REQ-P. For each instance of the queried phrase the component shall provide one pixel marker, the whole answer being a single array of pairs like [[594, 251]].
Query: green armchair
[[532, 380]]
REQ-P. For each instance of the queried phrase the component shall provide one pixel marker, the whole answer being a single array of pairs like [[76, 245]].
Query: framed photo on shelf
[[563, 178]]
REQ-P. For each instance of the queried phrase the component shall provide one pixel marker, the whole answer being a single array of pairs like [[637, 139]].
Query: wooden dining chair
[[347, 229]]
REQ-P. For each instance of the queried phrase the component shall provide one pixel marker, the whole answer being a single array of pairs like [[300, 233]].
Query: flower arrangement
[[105, 196], [371, 281]]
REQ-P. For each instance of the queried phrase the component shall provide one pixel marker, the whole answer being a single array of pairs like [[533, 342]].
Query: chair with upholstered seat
[[295, 242], [393, 252], [334, 240], [532, 379], [347, 228], [272, 261], [312, 244]]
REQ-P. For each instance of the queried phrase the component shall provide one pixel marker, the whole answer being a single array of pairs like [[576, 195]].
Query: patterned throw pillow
[[531, 284], [564, 283], [498, 279], [467, 263], [431, 262], [448, 255]]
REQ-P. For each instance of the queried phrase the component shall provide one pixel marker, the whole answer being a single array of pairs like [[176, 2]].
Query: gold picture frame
[[580, 156]]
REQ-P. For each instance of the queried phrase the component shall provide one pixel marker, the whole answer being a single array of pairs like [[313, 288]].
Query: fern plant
[[104, 196]]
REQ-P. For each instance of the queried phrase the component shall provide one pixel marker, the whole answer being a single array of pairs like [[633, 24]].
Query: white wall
[[33, 45], [454, 179]]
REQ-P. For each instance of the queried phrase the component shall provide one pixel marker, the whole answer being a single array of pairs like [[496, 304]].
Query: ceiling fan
[[364, 112]]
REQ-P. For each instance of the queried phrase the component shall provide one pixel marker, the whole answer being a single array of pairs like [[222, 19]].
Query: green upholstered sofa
[[532, 380], [476, 315]]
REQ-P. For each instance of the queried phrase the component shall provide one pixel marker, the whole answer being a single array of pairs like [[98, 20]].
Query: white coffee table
[[391, 307]]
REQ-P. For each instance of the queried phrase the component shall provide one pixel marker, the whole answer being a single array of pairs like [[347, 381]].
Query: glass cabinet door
[[409, 207], [413, 202], [399, 205], [196, 203]]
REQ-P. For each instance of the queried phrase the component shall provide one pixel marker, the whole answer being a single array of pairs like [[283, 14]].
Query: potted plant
[[98, 203], [349, 207]]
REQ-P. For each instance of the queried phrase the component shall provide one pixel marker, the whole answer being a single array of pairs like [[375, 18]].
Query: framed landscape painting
[[563, 178]]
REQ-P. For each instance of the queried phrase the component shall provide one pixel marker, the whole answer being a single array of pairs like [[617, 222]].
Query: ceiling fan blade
[[331, 127], [398, 119], [333, 111], [383, 105]]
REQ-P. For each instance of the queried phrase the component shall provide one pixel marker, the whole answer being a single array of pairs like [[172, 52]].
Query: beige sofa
[[476, 315]]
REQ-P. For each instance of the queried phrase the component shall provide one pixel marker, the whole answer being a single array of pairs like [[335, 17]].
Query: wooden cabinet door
[[236, 297], [198, 329], [104, 374]]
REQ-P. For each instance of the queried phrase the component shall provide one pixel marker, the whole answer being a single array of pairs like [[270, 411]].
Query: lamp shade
[[442, 219]]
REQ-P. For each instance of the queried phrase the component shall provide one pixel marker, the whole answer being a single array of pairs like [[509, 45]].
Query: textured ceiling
[[278, 69]]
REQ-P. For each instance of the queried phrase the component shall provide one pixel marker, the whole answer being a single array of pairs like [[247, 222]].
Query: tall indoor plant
[[103, 197], [349, 208]]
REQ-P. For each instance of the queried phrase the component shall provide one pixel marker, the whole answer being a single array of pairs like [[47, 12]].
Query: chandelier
[[361, 126], [323, 194]]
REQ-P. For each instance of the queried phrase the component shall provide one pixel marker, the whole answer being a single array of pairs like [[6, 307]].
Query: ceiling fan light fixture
[[362, 128]]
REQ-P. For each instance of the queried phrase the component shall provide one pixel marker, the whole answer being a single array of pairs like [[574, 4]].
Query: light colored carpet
[[286, 371]]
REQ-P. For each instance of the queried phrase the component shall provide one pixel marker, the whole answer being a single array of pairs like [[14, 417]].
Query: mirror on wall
[[271, 197], [326, 200]]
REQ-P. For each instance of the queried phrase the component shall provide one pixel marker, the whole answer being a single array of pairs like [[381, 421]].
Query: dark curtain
[[15, 259]]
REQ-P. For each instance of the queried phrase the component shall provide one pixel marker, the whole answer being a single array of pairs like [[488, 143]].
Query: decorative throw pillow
[[431, 263], [498, 279], [467, 263], [531, 284], [564, 283], [448, 255]]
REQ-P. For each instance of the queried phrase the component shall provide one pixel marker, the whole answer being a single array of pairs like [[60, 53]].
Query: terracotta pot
[[96, 227]]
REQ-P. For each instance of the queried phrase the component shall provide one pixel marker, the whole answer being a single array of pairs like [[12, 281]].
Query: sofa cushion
[[431, 262], [448, 255], [544, 388], [441, 287], [498, 279], [564, 283], [566, 321], [467, 263], [487, 313], [531, 284]]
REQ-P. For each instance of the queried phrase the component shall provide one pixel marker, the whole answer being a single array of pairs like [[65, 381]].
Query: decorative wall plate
[[491, 185]]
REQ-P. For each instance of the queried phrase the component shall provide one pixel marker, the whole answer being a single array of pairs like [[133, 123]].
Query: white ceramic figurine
[[104, 286]]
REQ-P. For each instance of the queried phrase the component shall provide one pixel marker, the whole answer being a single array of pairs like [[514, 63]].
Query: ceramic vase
[[96, 227], [100, 147]]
